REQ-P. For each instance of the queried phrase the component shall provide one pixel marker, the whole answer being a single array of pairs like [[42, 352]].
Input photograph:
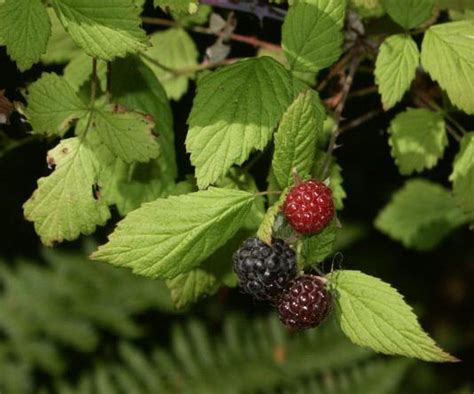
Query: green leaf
[[372, 313], [420, 215], [53, 105], [167, 237], [200, 17], [146, 95], [395, 68], [63, 205], [409, 13], [61, 48], [129, 185], [25, 30], [185, 6], [317, 247], [128, 135], [215, 272], [462, 176], [265, 230], [79, 70], [105, 30], [312, 34], [447, 54], [235, 111], [368, 8], [240, 180], [418, 139], [335, 178], [174, 49], [296, 138]]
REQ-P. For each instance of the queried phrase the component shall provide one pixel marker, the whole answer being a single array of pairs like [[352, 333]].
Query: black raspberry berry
[[305, 303], [309, 207], [264, 270]]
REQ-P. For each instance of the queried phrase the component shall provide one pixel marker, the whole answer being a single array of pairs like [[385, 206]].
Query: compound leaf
[[372, 313], [171, 236]]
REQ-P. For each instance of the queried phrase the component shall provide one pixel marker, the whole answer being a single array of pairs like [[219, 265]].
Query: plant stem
[[354, 63], [252, 7], [360, 120], [191, 69], [108, 90], [422, 101], [254, 41]]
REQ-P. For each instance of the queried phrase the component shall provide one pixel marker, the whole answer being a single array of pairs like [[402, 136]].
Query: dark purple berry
[[264, 270]]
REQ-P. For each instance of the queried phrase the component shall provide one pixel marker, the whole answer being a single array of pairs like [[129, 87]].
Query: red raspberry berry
[[309, 207], [305, 303]]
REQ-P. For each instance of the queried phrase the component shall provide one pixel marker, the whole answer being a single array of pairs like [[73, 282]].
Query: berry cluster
[[268, 272]]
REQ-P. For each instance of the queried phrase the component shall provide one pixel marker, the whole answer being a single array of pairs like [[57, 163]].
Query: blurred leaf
[[61, 48], [185, 6], [418, 139], [462, 176], [409, 13], [420, 215], [174, 49]]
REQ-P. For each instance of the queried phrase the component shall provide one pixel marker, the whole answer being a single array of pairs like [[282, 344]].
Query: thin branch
[[93, 83], [355, 61], [360, 120], [336, 69], [108, 90], [254, 41], [251, 7], [421, 101], [363, 92], [191, 69]]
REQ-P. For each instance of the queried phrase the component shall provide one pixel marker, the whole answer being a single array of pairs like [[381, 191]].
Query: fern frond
[[247, 357]]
